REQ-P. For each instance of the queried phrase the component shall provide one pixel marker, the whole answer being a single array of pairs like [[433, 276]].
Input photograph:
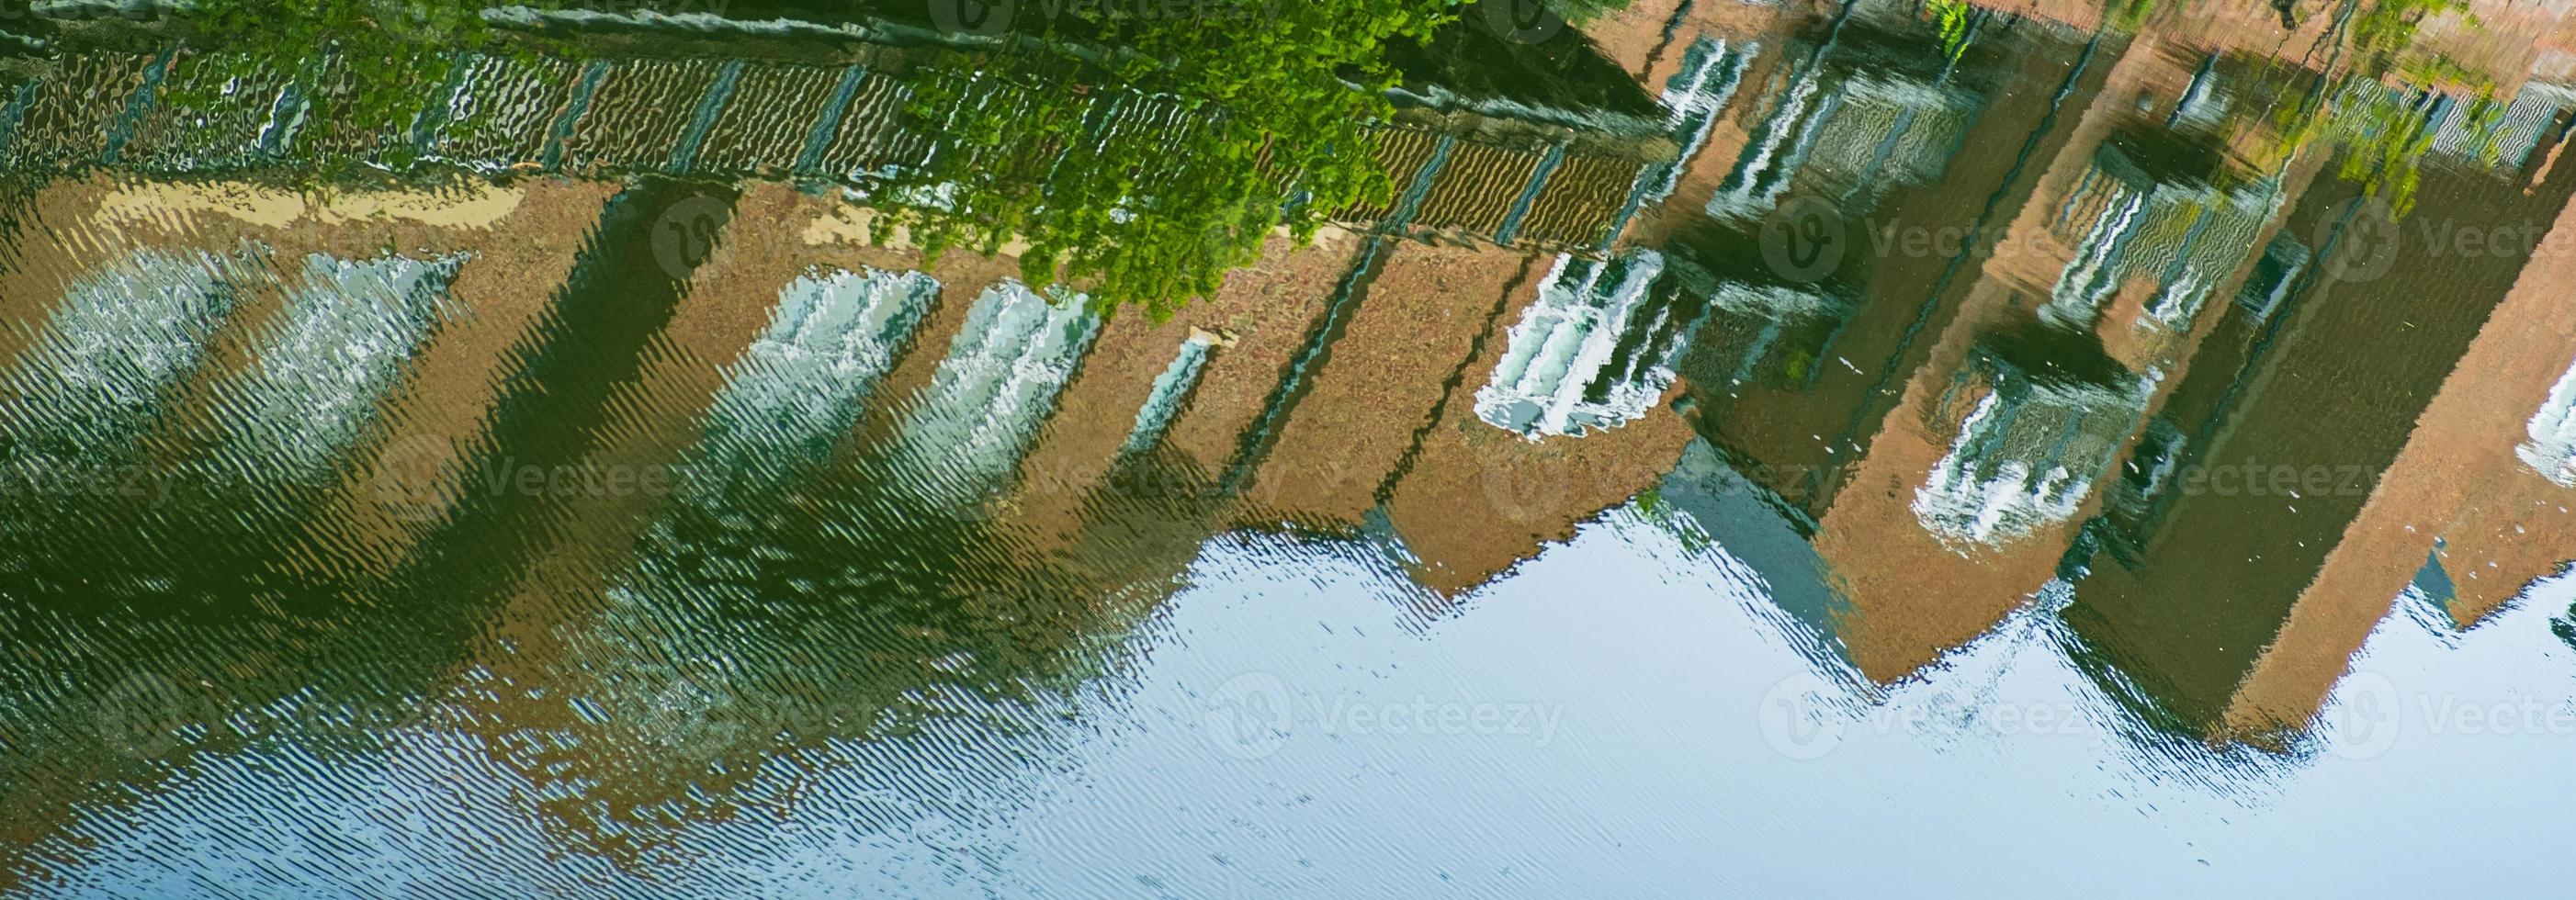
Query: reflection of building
[[1793, 375], [576, 631], [607, 638], [1900, 450], [1934, 522], [2285, 437], [229, 570]]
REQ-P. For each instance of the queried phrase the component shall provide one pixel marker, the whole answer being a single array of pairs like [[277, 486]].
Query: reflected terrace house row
[[688, 613], [635, 357], [2248, 549], [1795, 367], [1474, 176], [287, 295], [2108, 302], [1979, 482], [781, 351], [2094, 298], [1795, 362], [296, 349]]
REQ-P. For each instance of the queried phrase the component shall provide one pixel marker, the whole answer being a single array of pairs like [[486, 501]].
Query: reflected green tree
[[1952, 18], [363, 63], [2351, 102], [2368, 97], [1143, 172], [1137, 154]]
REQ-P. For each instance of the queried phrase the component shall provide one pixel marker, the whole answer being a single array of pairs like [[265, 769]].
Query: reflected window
[[2284, 260], [802, 384], [1170, 389], [1708, 79], [2026, 450], [340, 345], [2551, 451], [1594, 351], [2181, 237], [121, 338], [1856, 120], [2499, 139], [998, 382]]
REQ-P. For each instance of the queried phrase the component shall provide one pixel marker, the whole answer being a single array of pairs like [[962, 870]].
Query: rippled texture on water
[[1923, 465]]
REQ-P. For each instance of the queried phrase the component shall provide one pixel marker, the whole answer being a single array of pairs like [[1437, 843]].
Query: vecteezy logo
[[978, 18], [1522, 21], [1524, 493], [1248, 717], [2366, 245], [1804, 239], [1798, 717], [978, 507], [409, 475], [2364, 722], [433, 22], [684, 238], [142, 716], [686, 721]]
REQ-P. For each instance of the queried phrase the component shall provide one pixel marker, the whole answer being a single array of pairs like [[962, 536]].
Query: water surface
[[1941, 471]]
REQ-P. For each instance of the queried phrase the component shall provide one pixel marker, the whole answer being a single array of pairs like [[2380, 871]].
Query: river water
[[1943, 471]]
